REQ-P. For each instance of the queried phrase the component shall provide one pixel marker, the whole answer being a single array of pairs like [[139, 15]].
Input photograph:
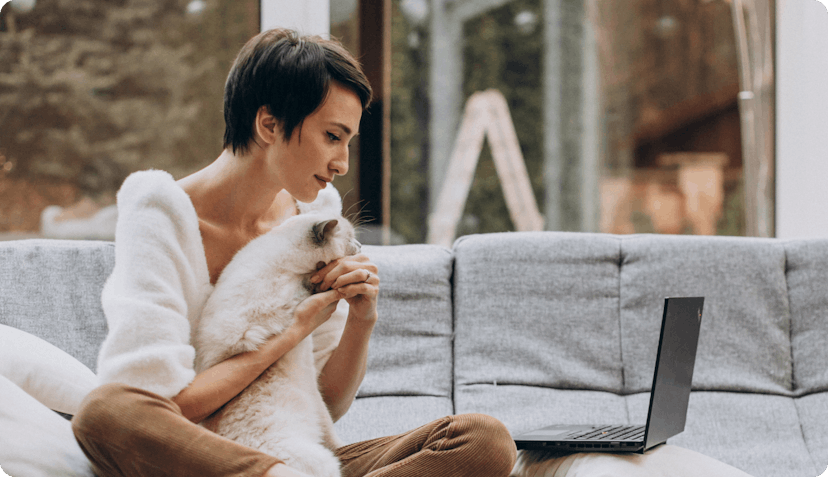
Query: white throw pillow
[[44, 371], [34, 441]]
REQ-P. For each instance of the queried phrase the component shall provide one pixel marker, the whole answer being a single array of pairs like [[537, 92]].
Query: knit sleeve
[[157, 288]]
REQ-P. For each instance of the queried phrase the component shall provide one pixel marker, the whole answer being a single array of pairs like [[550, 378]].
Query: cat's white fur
[[281, 413]]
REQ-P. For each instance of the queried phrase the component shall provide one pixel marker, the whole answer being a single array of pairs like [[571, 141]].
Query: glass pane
[[344, 16], [501, 51], [674, 160], [91, 90], [626, 114]]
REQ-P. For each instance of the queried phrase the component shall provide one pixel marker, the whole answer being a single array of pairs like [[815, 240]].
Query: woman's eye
[[333, 137]]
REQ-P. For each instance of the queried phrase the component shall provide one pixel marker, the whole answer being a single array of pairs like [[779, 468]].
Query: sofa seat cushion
[[373, 417], [813, 416], [759, 434]]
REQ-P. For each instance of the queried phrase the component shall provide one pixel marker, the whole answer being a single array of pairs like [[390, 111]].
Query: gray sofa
[[541, 328]]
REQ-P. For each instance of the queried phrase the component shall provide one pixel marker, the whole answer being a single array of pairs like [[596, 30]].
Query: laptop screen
[[673, 375]]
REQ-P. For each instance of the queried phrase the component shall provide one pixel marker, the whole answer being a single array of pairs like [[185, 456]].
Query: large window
[[91, 90], [627, 114], [577, 115]]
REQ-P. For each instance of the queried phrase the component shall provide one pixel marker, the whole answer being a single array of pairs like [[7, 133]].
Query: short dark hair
[[291, 75]]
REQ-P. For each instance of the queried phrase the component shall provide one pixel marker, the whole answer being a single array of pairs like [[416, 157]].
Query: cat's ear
[[321, 230]]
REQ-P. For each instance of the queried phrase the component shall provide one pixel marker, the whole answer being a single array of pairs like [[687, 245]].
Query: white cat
[[281, 413]]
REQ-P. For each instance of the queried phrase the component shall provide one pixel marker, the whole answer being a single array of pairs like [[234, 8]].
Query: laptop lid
[[673, 376], [669, 397]]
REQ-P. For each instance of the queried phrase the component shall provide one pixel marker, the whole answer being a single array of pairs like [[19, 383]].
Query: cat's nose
[[356, 246]]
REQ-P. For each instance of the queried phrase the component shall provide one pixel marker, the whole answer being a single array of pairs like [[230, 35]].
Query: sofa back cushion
[[52, 289], [807, 267], [744, 343], [583, 311], [538, 309], [410, 350]]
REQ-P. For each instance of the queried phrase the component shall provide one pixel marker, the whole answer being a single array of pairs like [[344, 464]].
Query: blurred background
[[635, 116]]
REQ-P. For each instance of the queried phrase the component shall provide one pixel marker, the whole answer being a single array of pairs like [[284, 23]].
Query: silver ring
[[369, 277]]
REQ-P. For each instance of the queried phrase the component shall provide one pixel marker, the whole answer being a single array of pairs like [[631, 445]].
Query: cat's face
[[320, 233], [334, 237], [307, 239]]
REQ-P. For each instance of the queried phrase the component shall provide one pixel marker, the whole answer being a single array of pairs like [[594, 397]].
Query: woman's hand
[[355, 279], [315, 310]]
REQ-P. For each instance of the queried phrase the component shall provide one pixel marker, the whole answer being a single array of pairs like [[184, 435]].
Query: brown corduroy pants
[[125, 431]]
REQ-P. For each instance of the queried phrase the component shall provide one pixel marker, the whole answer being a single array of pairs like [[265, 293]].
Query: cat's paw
[[252, 339]]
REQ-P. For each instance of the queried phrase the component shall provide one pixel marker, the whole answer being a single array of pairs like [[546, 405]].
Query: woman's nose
[[339, 165]]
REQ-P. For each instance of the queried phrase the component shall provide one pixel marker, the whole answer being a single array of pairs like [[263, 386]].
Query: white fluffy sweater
[[158, 288]]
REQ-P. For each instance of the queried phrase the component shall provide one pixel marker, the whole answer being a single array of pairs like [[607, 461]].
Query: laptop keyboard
[[610, 433]]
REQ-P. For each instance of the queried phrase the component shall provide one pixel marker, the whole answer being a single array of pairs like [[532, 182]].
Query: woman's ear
[[266, 126]]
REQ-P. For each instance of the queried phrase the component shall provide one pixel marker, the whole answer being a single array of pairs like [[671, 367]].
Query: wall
[[802, 119]]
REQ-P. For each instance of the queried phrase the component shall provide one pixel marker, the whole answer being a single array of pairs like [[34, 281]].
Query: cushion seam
[[793, 387], [802, 433], [621, 331]]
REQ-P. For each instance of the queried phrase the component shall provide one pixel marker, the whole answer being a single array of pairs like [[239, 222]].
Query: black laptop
[[670, 394]]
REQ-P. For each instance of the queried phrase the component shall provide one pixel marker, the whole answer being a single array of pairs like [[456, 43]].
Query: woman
[[292, 104]]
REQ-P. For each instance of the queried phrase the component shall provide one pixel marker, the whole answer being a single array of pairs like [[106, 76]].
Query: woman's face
[[318, 149]]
